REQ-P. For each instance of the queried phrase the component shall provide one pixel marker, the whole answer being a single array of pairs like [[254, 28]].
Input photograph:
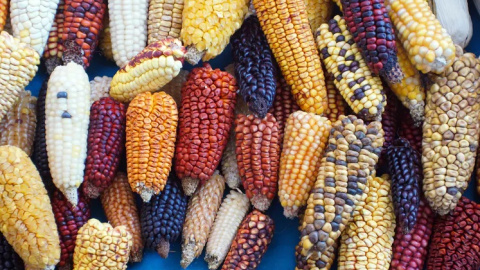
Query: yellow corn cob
[[100, 87], [427, 43], [305, 138], [336, 103], [318, 11], [54, 49], [3, 13], [201, 212], [27, 220], [18, 127], [285, 25], [174, 87], [105, 41], [164, 19]]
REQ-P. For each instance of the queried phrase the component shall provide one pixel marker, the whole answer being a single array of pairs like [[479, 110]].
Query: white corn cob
[[67, 111], [164, 19], [174, 87], [100, 87], [232, 211], [32, 21], [128, 28]]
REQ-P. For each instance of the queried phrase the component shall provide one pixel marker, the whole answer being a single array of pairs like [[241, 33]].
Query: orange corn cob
[[3, 13], [335, 101], [54, 48]]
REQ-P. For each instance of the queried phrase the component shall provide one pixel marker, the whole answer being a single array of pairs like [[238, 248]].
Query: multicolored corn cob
[[306, 136], [335, 101], [151, 134], [4, 7], [250, 243], [164, 19], [362, 90], [53, 51], [100, 87], [120, 208], [27, 220], [201, 212], [174, 87], [408, 130], [317, 260], [318, 12], [389, 124], [9, 259], [285, 24], [105, 41]]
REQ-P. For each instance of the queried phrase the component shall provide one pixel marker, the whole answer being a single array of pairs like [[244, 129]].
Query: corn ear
[[164, 19]]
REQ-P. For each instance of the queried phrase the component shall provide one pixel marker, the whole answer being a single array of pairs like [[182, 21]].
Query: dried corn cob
[[317, 260], [174, 87], [18, 64], [4, 6], [54, 49], [450, 132], [18, 127], [389, 124], [229, 217], [69, 220], [361, 89], [201, 212], [335, 101], [151, 69], [285, 24], [67, 109], [427, 43], [164, 19], [306, 136], [27, 220], [118, 202], [100, 246], [105, 41], [9, 259], [318, 12], [151, 134], [100, 87], [408, 130], [250, 243], [208, 101]]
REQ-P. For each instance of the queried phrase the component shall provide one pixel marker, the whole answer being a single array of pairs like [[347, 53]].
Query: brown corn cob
[[54, 49], [100, 86], [336, 103], [164, 19], [105, 42], [408, 130], [3, 13], [174, 87]]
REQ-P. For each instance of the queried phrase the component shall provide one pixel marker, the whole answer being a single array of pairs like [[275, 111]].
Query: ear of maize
[[408, 130], [4, 7], [389, 124], [54, 49], [164, 19], [336, 104], [174, 87], [283, 105], [100, 86], [105, 41], [9, 259], [318, 12], [317, 260]]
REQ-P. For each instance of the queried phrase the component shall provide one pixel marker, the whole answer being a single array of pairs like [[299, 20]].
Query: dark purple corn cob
[[9, 259], [408, 130], [389, 124], [255, 67]]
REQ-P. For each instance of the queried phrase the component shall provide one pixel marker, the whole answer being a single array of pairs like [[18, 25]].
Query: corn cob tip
[[193, 56], [213, 261], [163, 248], [90, 190], [51, 63], [418, 113], [188, 254], [394, 73], [145, 192], [261, 202], [189, 185], [291, 212], [72, 52], [71, 194]]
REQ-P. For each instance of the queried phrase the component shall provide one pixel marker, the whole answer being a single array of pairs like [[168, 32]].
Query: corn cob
[[100, 246], [427, 43], [318, 12], [118, 202], [455, 238], [450, 132], [317, 260], [335, 101], [162, 218], [339, 4], [250, 243], [18, 127], [208, 101], [389, 124], [306, 136], [201, 211], [105, 40], [9, 259], [128, 28], [164, 19], [409, 131], [285, 24], [18, 66], [174, 87], [54, 49], [359, 87], [67, 109], [69, 220], [100, 87], [151, 134], [27, 220], [4, 6], [148, 71], [229, 216]]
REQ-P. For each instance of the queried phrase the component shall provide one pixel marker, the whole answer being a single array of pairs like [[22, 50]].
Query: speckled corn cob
[[450, 132], [390, 121], [54, 49], [105, 42], [148, 71], [285, 24], [174, 87], [164, 19], [18, 127], [306, 136], [362, 90], [317, 260], [250, 243], [4, 7], [100, 246], [27, 220], [9, 259], [18, 65], [318, 12], [100, 87], [151, 134], [229, 217], [427, 43], [201, 212], [336, 104], [408, 130], [119, 205]]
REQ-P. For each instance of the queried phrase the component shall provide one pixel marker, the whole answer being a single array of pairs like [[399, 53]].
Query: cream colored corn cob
[[100, 86], [164, 19], [174, 87], [231, 213], [318, 12], [128, 28], [67, 111], [3, 13]]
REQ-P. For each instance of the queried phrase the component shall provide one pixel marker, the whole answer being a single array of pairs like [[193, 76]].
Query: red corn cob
[[389, 124], [54, 48], [408, 130]]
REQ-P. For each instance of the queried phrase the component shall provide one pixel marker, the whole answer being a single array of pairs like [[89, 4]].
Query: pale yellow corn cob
[[174, 87], [318, 12], [105, 41], [3, 13], [164, 19], [100, 86]]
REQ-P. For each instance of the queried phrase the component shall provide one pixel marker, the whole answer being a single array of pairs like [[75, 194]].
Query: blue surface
[[280, 254]]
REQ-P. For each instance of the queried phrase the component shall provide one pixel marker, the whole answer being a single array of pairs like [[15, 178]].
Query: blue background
[[280, 254]]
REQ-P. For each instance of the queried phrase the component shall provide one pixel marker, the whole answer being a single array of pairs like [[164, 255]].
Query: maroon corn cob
[[408, 130], [389, 124]]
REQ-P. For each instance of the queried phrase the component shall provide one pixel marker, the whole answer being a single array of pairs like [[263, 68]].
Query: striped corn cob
[[450, 132], [174, 87], [306, 136], [367, 241], [318, 12], [27, 220], [250, 243], [335, 101], [389, 124], [164, 19], [229, 217], [201, 212], [205, 32], [67, 109], [54, 49], [285, 24], [9, 259], [100, 246], [69, 220], [18, 65], [408, 130], [317, 261], [100, 87], [359, 87], [151, 134], [4, 6], [427, 43], [105, 41], [18, 127], [128, 28], [197, 155], [151, 69], [119, 205]]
